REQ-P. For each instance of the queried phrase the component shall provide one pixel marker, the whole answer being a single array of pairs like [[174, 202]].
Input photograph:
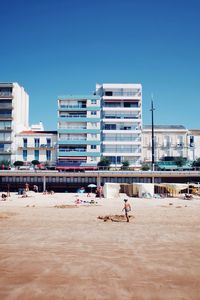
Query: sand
[[51, 249]]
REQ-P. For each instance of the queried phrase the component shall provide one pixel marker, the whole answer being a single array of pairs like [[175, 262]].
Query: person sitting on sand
[[127, 208], [3, 196]]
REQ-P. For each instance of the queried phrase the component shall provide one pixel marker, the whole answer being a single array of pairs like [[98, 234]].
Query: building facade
[[36, 145], [121, 123], [79, 132], [14, 113], [193, 144], [169, 140]]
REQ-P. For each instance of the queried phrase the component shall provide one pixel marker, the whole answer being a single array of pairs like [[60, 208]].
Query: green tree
[[35, 162], [196, 163], [125, 165], [18, 163], [180, 161], [104, 162], [5, 163], [145, 167]]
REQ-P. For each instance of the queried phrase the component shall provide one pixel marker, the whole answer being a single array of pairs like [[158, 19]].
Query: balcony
[[6, 128], [77, 118], [5, 151], [122, 139], [41, 147], [5, 106], [5, 94], [72, 106], [5, 117], [78, 142], [121, 94]]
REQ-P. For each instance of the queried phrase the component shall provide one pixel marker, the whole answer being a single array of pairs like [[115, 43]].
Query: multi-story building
[[193, 144], [169, 140], [78, 132], [14, 110], [36, 145], [121, 122]]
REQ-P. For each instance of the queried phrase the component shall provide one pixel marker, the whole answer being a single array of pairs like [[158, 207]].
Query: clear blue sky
[[64, 47]]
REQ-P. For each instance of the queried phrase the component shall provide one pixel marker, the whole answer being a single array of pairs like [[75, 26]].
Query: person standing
[[127, 208]]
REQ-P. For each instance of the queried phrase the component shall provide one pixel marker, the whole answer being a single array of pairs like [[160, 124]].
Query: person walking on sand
[[127, 208]]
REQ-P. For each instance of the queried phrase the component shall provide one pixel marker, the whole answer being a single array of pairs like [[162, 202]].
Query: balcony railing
[[73, 106], [120, 117], [126, 94], [5, 94], [6, 128], [5, 105], [73, 116], [72, 150], [73, 127], [42, 146], [123, 139], [5, 116]]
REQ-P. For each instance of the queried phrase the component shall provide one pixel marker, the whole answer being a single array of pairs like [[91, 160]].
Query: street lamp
[[152, 136]]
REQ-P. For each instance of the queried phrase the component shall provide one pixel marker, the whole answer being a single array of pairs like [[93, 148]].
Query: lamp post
[[152, 136]]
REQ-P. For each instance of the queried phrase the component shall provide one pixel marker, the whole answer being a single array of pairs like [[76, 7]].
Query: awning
[[73, 158]]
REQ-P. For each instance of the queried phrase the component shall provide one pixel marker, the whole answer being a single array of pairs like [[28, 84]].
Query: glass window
[[48, 154], [36, 154], [93, 101], [37, 143], [93, 113], [93, 146], [25, 142], [24, 155], [48, 142]]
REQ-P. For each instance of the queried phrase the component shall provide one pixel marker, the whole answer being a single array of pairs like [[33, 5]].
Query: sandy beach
[[51, 249]]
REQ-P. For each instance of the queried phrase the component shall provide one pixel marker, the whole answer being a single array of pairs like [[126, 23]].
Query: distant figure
[[26, 187], [35, 188], [3, 196], [127, 208]]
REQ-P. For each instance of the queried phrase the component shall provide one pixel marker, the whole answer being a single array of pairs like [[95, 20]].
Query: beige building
[[193, 144], [170, 140], [36, 145]]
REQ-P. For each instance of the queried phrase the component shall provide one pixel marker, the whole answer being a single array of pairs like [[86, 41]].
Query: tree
[[4, 164], [145, 167], [196, 163], [18, 163], [180, 161], [35, 162], [125, 165], [104, 162]]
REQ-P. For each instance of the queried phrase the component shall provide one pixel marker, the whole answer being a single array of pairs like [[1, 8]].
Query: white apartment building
[[14, 113], [79, 139], [169, 140], [193, 144], [121, 122], [36, 145]]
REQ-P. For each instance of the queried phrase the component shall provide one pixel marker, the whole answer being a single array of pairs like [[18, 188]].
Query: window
[[37, 143], [48, 142], [94, 124], [24, 155], [25, 142], [93, 147], [36, 154], [93, 113], [108, 93], [48, 154], [93, 101], [191, 141], [93, 136]]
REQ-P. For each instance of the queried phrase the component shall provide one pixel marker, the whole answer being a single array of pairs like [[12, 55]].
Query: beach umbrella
[[92, 186]]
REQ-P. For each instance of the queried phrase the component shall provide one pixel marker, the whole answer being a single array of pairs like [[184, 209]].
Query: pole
[[152, 136], [44, 183]]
